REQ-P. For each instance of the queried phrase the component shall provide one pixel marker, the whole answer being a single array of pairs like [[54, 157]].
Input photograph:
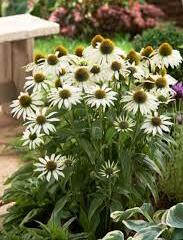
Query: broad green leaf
[[110, 134], [137, 225], [114, 235], [177, 234], [88, 149], [149, 233], [95, 204], [173, 217]]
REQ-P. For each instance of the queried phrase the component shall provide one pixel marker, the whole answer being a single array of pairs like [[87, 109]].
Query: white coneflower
[[100, 96], [164, 96], [50, 167], [123, 124], [138, 71], [109, 170], [104, 53], [26, 104], [65, 96], [165, 81], [37, 64], [140, 100], [41, 121], [32, 139], [166, 56], [37, 82], [98, 73], [154, 124], [146, 52], [51, 65], [117, 69]]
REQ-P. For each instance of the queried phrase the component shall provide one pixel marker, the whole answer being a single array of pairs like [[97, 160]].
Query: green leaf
[[88, 149], [173, 217], [149, 233], [137, 225], [29, 216], [56, 214], [177, 234], [96, 130], [114, 235], [95, 204], [110, 134]]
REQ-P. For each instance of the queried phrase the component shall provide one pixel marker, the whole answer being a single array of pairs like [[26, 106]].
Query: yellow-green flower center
[[33, 136], [39, 77], [81, 75], [51, 165], [123, 125], [133, 57], [39, 58], [64, 94], [162, 98], [116, 66], [163, 72], [79, 51], [147, 51], [58, 83], [100, 94], [95, 69], [140, 97], [41, 119], [96, 39], [52, 59], [25, 101], [109, 172], [149, 83], [106, 47], [62, 51], [156, 121], [161, 82], [165, 49]]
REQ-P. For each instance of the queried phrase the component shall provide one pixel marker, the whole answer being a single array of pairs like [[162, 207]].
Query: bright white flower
[[104, 53], [140, 100], [166, 56], [80, 77], [50, 167], [41, 121], [156, 124], [164, 96], [32, 139], [100, 96], [109, 170], [36, 65], [25, 105], [138, 71], [37, 82], [98, 73], [51, 65], [124, 124], [163, 81], [65, 96], [117, 69]]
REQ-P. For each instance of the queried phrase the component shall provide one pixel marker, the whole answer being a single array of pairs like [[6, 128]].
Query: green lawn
[[46, 45]]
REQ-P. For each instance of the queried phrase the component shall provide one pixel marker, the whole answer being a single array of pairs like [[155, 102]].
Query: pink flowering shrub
[[107, 19]]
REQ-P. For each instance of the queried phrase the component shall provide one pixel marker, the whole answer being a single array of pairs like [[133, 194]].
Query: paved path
[[9, 161]]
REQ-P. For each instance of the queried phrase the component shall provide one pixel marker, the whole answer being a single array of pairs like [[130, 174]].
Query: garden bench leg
[[13, 56]]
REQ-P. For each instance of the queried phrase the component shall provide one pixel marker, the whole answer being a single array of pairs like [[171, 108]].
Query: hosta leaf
[[137, 225], [149, 233], [177, 234], [173, 217], [114, 235]]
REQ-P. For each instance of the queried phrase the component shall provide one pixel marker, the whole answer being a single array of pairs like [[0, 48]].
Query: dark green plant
[[12, 7], [163, 33]]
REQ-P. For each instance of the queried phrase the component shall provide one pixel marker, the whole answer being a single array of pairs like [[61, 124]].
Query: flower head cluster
[[100, 84]]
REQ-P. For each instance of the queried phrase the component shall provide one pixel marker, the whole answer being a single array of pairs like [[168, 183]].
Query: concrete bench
[[16, 45]]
